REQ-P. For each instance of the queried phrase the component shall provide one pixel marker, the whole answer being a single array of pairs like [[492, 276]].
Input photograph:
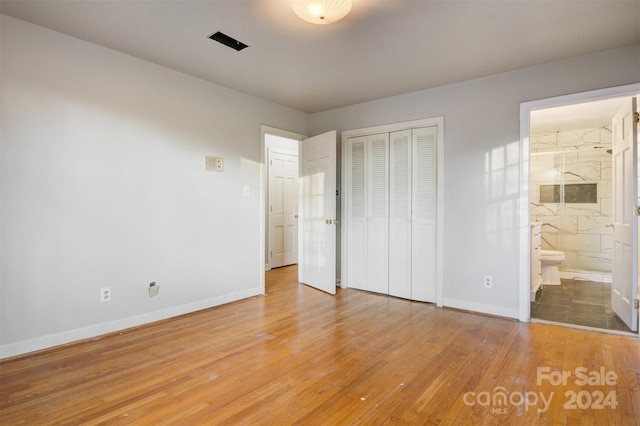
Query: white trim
[[586, 328], [524, 211], [440, 213], [393, 127], [264, 130], [282, 133], [387, 128], [524, 218], [583, 97], [344, 155], [479, 307], [57, 339]]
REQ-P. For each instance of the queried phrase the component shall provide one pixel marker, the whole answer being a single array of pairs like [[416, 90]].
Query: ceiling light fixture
[[322, 11]]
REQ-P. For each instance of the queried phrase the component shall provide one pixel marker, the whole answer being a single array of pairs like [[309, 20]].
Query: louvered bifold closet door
[[400, 214], [357, 214], [423, 247], [378, 213]]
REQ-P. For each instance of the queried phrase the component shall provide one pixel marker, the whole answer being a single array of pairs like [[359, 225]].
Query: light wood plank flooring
[[299, 356]]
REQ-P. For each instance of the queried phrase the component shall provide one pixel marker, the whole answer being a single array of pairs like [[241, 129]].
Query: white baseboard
[[481, 308], [65, 337]]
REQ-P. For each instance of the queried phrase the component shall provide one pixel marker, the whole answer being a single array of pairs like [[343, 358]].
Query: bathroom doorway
[[571, 194]]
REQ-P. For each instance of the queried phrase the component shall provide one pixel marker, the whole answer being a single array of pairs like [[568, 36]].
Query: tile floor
[[577, 302]]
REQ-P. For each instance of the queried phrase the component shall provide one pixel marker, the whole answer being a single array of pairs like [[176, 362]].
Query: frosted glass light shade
[[322, 11]]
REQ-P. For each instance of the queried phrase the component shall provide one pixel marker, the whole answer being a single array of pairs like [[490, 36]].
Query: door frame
[[388, 128], [524, 211], [267, 130]]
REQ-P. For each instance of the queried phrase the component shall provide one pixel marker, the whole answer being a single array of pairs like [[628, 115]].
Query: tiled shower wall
[[583, 231]]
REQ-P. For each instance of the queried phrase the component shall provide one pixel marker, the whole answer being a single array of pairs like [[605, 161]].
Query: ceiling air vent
[[228, 41]]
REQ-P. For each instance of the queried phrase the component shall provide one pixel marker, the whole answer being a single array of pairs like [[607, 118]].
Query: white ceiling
[[382, 48]]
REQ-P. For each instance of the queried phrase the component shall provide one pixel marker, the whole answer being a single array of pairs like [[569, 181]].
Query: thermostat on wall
[[213, 164]]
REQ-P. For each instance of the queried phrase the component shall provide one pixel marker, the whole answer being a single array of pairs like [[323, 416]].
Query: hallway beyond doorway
[[281, 278]]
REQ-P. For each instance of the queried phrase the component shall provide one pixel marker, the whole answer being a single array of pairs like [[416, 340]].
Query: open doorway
[[281, 153], [282, 201], [311, 206], [572, 198]]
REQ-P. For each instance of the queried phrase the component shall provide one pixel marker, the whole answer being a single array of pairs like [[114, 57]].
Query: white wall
[[103, 184], [482, 163]]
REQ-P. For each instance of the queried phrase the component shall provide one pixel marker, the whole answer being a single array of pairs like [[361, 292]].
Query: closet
[[391, 212], [368, 227]]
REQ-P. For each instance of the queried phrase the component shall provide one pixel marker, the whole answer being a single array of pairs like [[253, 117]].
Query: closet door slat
[[400, 214], [356, 214], [378, 213], [423, 248]]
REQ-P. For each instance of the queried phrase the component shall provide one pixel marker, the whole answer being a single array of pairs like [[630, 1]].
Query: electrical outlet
[[153, 289], [488, 281], [105, 294]]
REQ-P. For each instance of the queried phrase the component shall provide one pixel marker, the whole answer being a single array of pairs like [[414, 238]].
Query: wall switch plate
[[105, 294], [213, 164], [488, 281]]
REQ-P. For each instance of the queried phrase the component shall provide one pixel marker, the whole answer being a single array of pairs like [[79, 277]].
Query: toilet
[[549, 260]]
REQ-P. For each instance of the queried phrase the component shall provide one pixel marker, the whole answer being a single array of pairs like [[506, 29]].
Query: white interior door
[[317, 264], [283, 208], [377, 232], [424, 216], [357, 213], [624, 287]]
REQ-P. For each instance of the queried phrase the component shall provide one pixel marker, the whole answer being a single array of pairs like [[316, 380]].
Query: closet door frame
[[437, 122]]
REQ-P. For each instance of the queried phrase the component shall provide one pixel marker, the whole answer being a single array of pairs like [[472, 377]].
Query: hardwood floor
[[299, 356]]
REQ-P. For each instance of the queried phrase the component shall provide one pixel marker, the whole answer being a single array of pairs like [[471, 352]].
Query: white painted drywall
[[481, 163], [103, 184]]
